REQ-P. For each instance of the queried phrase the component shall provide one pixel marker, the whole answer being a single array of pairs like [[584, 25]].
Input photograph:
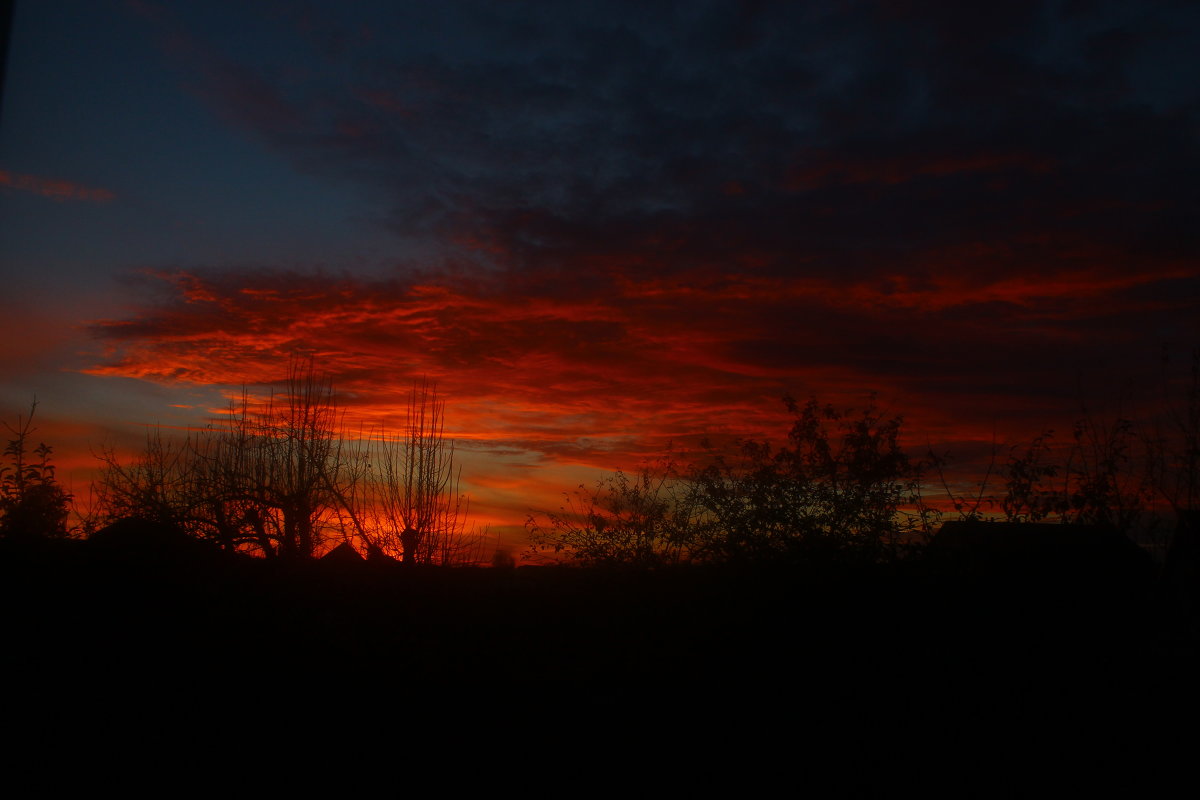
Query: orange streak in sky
[[544, 381]]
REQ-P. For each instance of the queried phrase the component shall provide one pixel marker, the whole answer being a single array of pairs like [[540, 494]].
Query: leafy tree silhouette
[[1026, 496], [1106, 476], [31, 501], [651, 518], [841, 488]]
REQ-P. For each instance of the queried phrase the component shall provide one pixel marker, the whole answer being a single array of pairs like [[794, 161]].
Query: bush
[[31, 501]]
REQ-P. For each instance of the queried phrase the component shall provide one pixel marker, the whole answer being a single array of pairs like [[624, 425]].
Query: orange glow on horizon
[[543, 384]]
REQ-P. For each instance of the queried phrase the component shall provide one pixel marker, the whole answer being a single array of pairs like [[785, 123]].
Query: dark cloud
[[838, 139]]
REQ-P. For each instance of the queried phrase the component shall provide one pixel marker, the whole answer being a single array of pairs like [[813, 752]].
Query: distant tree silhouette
[[157, 486], [419, 513], [284, 478], [1027, 497], [1110, 474], [301, 473], [1105, 476], [650, 518], [841, 488], [276, 477], [31, 501]]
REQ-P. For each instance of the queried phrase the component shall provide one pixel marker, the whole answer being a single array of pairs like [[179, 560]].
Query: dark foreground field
[[878, 657]]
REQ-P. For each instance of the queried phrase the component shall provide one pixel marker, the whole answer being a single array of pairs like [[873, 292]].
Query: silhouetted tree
[[156, 486], [301, 472], [1104, 477], [277, 477], [31, 501], [419, 512], [1027, 495], [841, 488], [1109, 474], [651, 518]]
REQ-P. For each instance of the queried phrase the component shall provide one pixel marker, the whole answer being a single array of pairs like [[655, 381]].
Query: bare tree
[[278, 478], [290, 467], [154, 486], [419, 511], [296, 439]]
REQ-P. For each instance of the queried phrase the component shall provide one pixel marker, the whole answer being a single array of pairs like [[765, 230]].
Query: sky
[[603, 229]]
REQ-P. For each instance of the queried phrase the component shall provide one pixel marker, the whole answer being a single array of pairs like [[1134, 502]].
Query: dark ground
[[916, 656]]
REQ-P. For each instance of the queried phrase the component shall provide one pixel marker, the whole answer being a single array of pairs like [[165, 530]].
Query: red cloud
[[541, 377], [54, 188]]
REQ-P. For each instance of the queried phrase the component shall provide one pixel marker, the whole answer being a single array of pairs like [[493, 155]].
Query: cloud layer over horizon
[[618, 225]]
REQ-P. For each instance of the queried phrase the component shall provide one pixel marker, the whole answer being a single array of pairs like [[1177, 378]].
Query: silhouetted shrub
[[31, 501], [842, 488], [649, 519]]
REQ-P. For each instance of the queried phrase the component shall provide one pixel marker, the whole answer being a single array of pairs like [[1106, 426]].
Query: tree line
[[279, 478], [842, 488], [284, 478]]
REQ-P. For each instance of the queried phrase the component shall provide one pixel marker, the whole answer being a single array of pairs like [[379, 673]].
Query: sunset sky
[[601, 228]]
